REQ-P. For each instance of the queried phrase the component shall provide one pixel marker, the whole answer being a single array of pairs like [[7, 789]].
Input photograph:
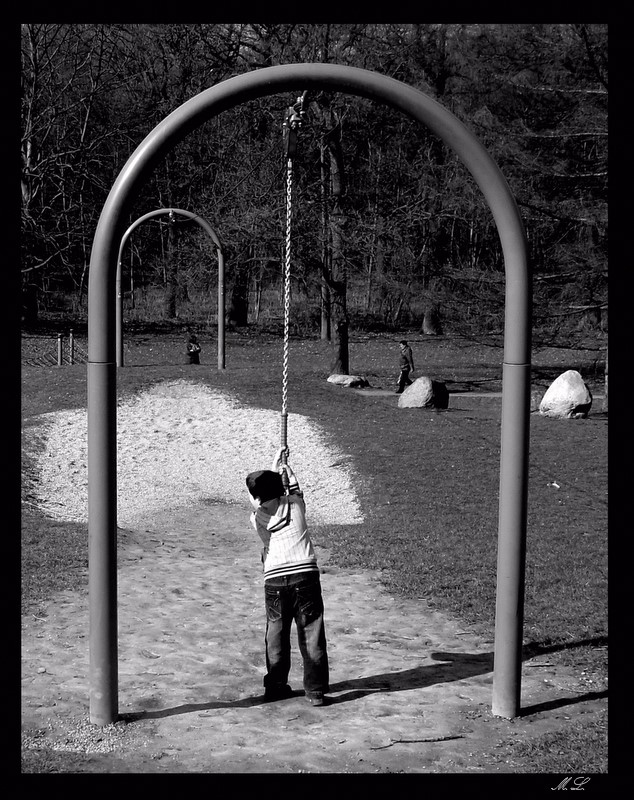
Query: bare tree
[[69, 75], [334, 261]]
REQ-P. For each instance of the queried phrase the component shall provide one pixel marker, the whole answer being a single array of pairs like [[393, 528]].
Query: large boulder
[[567, 397], [425, 393], [349, 381]]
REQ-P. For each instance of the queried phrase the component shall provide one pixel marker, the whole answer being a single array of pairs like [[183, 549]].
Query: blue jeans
[[295, 597]]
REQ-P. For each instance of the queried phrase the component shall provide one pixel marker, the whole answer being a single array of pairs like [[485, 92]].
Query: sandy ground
[[411, 688]]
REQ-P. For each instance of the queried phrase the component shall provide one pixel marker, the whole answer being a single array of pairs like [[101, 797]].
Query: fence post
[[71, 346], [60, 336]]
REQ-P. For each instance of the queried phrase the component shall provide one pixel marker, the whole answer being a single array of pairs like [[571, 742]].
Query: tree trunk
[[325, 289], [375, 254], [340, 321], [338, 277], [258, 299], [238, 313], [325, 310], [340, 364]]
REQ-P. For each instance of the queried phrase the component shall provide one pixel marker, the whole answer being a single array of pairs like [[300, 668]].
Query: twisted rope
[[292, 123], [287, 299]]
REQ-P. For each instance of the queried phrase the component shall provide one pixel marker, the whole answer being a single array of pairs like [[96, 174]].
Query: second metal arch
[[221, 278]]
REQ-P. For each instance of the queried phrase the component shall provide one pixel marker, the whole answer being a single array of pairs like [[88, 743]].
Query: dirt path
[[411, 689]]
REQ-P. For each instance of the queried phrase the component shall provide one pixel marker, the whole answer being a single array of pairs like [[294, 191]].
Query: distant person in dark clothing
[[406, 365], [193, 350]]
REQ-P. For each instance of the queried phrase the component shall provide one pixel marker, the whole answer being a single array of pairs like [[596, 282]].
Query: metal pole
[[516, 394], [102, 542], [60, 346], [119, 312], [102, 464], [71, 347], [512, 542], [221, 310]]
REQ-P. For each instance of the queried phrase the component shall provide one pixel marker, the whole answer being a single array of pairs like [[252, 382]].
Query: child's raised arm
[[293, 484], [277, 459], [278, 466]]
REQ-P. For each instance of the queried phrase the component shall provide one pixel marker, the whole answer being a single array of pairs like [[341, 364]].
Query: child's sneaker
[[277, 692], [316, 699]]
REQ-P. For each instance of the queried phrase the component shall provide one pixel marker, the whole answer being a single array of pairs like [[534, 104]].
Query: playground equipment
[[221, 278], [102, 490]]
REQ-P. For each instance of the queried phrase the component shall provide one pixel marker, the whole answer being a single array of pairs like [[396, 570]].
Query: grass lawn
[[428, 484]]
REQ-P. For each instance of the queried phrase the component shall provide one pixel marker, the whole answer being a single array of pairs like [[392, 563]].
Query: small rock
[[349, 381]]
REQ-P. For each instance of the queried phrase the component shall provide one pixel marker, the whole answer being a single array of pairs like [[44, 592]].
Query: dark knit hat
[[265, 484]]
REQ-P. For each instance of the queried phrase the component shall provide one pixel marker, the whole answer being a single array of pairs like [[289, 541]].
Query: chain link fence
[[53, 351]]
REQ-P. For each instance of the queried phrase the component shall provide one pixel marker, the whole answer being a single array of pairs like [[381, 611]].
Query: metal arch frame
[[102, 367], [221, 278]]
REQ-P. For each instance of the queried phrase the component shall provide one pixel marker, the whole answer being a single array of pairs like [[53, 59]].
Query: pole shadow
[[451, 667]]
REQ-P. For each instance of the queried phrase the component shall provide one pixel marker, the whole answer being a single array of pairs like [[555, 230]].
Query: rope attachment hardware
[[292, 123]]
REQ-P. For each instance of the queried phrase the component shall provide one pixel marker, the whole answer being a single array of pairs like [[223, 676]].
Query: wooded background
[[388, 224]]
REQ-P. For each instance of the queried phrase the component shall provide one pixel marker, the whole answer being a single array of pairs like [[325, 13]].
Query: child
[[292, 588], [193, 350]]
